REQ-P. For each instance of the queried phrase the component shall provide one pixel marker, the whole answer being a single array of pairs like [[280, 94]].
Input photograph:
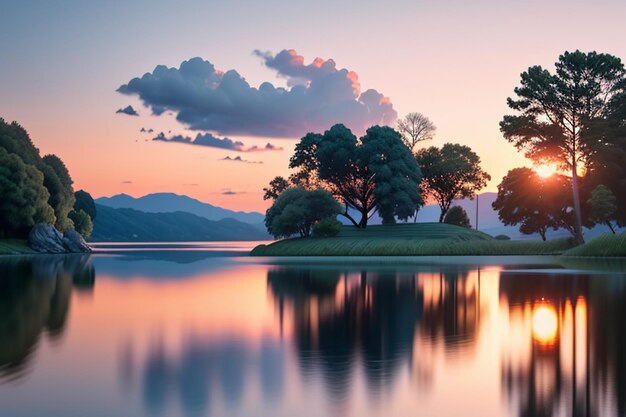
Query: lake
[[203, 330]]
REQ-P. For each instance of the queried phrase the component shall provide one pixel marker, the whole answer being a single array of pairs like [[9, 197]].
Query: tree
[[603, 206], [415, 128], [457, 216], [450, 173], [84, 201], [276, 186], [555, 110], [82, 223], [536, 204], [297, 210], [377, 172], [23, 198], [59, 184]]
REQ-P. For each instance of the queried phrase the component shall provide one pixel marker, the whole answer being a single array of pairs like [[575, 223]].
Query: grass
[[606, 245], [421, 239], [14, 247]]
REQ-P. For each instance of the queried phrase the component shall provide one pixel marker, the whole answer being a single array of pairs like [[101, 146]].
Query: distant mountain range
[[173, 217], [129, 225], [170, 202]]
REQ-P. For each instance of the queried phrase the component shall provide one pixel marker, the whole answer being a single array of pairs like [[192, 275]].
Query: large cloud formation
[[319, 95], [211, 141]]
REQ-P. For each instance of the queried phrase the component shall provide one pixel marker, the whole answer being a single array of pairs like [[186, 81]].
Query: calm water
[[200, 331]]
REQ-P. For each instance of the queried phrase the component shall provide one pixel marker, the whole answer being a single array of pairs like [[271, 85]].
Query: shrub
[[502, 237], [327, 227]]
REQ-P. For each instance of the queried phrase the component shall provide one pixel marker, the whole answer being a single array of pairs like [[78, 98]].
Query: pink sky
[[456, 63]]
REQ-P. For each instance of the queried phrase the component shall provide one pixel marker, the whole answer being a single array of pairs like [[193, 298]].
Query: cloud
[[129, 110], [230, 192], [144, 130], [208, 140], [239, 159], [127, 182], [319, 95]]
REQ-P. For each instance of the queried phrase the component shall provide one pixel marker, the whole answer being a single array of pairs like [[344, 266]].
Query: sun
[[545, 170]]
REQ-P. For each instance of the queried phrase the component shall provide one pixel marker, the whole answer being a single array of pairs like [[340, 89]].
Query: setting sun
[[545, 170], [545, 324]]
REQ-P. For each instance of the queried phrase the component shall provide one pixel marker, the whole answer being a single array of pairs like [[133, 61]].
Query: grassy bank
[[607, 245], [422, 239], [14, 247]]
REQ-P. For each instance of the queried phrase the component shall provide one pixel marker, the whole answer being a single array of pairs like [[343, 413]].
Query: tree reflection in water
[[570, 361], [345, 319], [34, 298]]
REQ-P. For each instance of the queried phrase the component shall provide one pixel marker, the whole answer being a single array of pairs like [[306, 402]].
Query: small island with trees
[[574, 118]]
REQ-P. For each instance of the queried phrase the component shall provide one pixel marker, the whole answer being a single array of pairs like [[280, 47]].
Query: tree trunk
[[608, 223], [578, 226], [364, 218], [542, 233], [442, 215]]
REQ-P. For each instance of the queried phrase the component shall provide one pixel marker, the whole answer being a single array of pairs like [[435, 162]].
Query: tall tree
[[555, 110], [415, 128], [376, 172], [450, 173], [276, 186]]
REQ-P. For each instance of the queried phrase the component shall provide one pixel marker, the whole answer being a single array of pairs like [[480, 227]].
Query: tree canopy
[[375, 172], [23, 197], [603, 206], [30, 168], [457, 216], [557, 111], [85, 202], [450, 173], [297, 210], [536, 204]]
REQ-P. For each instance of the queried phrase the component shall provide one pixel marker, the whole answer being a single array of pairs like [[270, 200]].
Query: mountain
[[129, 225], [170, 202]]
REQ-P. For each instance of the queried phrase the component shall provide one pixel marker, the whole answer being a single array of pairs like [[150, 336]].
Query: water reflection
[[34, 299], [210, 336], [372, 320]]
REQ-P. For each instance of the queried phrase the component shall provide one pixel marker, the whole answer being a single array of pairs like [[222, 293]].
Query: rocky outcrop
[[45, 238], [74, 242]]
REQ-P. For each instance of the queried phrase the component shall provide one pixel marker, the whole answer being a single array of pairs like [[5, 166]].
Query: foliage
[[502, 237], [15, 247], [85, 202], [558, 111], [603, 245], [276, 186], [82, 223], [377, 172], [457, 216], [23, 197], [297, 210], [59, 184], [536, 204], [327, 227], [603, 206], [450, 173], [415, 128], [422, 239]]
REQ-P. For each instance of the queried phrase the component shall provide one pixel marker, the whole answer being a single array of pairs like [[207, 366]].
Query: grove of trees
[[573, 117], [34, 189]]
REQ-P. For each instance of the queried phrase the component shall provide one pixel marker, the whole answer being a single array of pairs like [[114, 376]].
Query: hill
[[170, 203], [430, 239], [129, 225]]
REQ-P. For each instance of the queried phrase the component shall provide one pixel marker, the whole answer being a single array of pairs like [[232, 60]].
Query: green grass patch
[[14, 247], [606, 245], [421, 239]]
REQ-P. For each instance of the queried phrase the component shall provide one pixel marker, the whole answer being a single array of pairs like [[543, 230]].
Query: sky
[[67, 67]]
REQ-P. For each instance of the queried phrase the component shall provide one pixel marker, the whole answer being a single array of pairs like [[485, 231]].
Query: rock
[[45, 238], [74, 242]]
